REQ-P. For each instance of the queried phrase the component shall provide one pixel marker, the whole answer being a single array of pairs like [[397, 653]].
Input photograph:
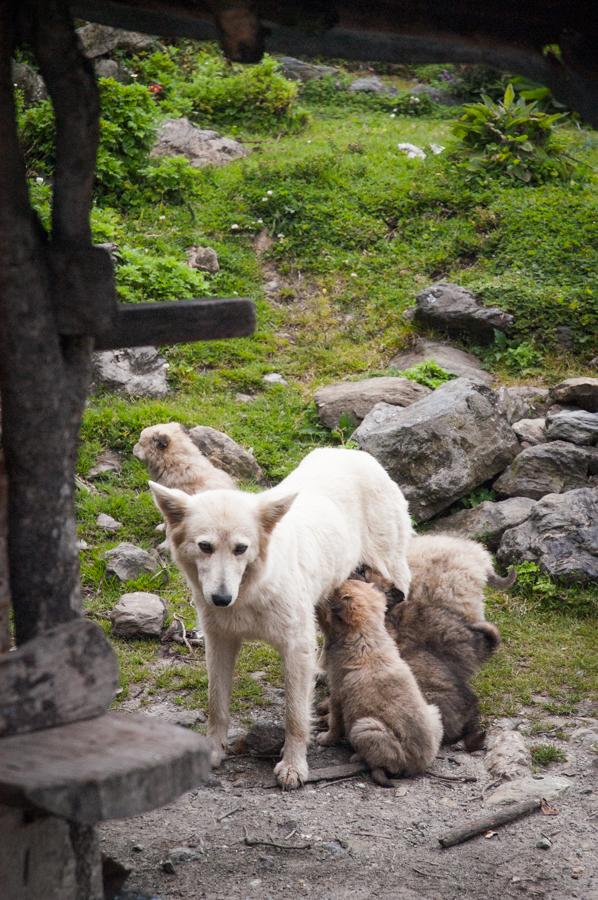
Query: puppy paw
[[327, 739], [289, 776]]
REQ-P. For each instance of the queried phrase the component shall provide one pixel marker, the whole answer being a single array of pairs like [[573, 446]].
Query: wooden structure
[[65, 763]]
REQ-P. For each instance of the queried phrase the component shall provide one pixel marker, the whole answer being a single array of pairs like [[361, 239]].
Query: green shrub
[[545, 754], [171, 179], [517, 358], [511, 137], [332, 91], [428, 373], [144, 278], [538, 588]]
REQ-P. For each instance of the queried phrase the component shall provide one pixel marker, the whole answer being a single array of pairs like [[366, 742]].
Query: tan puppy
[[173, 460], [374, 698]]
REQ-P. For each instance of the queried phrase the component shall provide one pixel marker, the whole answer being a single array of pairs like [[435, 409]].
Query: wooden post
[[4, 592]]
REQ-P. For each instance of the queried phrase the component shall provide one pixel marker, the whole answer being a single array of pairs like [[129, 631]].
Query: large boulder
[[523, 402], [575, 425], [456, 311], [226, 454], [299, 70], [136, 371], [128, 562], [138, 614], [441, 447], [547, 469], [178, 137], [582, 392], [450, 358], [356, 398], [487, 522], [99, 40], [561, 534]]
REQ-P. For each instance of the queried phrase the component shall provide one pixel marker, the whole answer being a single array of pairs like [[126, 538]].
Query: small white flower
[[436, 149], [393, 115], [308, 142], [353, 274], [234, 227], [280, 235], [39, 180], [264, 199], [162, 218], [269, 193], [134, 75], [260, 221]]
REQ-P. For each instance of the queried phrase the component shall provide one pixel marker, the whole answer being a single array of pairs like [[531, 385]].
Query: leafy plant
[[142, 277], [477, 496], [428, 373], [518, 358], [171, 179], [545, 754], [511, 137], [538, 587]]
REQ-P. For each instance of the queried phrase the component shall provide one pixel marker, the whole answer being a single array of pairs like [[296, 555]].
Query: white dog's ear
[[272, 511], [171, 502]]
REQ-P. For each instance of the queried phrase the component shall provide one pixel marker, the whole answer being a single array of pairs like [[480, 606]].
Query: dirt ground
[[352, 839]]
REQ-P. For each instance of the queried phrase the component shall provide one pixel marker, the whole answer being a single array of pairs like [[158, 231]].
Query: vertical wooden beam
[[4, 591]]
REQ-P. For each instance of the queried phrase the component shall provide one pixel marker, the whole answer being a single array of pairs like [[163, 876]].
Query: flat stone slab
[[451, 359], [355, 399], [582, 392], [548, 787], [551, 468], [456, 311], [578, 426], [486, 522], [110, 767]]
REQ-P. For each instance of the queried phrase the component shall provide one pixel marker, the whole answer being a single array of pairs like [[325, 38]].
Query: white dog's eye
[[240, 549], [205, 547]]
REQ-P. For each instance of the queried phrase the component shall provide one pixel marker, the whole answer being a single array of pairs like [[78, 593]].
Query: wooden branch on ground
[[65, 675], [463, 833], [111, 767], [142, 324]]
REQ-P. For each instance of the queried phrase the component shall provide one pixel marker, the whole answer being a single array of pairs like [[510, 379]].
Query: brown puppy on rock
[[173, 460], [374, 697]]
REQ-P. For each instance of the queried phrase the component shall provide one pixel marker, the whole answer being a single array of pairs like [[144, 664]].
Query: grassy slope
[[362, 229]]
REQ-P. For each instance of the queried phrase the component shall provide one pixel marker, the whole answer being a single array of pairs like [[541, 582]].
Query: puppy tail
[[490, 635], [378, 746], [380, 777], [500, 582]]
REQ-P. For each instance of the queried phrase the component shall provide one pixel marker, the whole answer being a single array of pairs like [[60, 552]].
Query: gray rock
[[203, 258], [532, 431], [370, 84], [30, 82], [547, 469], [435, 94], [450, 358], [544, 844], [82, 545], [110, 68], [548, 786], [178, 137], [136, 371], [299, 70], [108, 461], [486, 522], [561, 534], [274, 378], [441, 447], [507, 756], [226, 454], [357, 398], [128, 562], [99, 40], [582, 392], [575, 425], [111, 249], [456, 311], [138, 615], [184, 854], [108, 523], [523, 402], [176, 715]]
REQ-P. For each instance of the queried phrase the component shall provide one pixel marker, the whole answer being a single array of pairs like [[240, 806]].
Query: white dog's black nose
[[221, 599]]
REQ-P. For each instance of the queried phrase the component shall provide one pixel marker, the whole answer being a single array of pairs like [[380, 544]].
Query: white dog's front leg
[[221, 654], [300, 668]]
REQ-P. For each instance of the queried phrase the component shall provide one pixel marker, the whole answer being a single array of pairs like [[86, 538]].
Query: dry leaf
[[490, 834], [547, 809]]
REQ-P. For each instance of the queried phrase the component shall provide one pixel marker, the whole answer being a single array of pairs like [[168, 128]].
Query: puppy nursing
[[374, 698]]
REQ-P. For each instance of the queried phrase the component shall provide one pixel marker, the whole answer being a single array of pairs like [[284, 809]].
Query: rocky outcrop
[[355, 399], [441, 447], [487, 522], [582, 392], [99, 40], [523, 402], [226, 454], [450, 358], [299, 70], [136, 371], [574, 425], [178, 137], [547, 469], [456, 311], [560, 534], [138, 614]]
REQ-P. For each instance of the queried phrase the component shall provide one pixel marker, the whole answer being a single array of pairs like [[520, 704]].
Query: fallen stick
[[463, 779], [493, 820], [264, 842]]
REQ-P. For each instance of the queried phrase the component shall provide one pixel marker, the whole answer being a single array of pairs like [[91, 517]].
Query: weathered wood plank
[[111, 767], [84, 291], [142, 324], [4, 576], [69, 673]]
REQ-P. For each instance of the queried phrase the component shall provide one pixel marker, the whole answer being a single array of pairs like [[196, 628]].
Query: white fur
[[338, 509]]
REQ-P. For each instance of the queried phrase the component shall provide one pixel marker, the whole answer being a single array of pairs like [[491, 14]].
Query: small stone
[[135, 371], [98, 40], [507, 756], [128, 562], [183, 854], [575, 425], [274, 378], [486, 522], [107, 462], [412, 151], [138, 848], [203, 258], [138, 614], [582, 392], [167, 866], [82, 545], [370, 84], [299, 70], [355, 399], [108, 523], [30, 82], [244, 398], [527, 788], [532, 431], [544, 844], [110, 68], [523, 402], [456, 311]]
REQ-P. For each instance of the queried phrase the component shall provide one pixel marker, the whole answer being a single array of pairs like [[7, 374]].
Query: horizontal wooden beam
[[111, 767], [183, 321]]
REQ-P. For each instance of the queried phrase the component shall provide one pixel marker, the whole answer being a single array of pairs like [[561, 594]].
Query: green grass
[[358, 229], [544, 755]]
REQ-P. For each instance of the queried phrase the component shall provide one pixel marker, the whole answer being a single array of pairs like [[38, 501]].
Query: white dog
[[258, 564]]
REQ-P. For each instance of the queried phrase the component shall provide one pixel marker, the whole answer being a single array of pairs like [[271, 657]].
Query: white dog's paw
[[217, 753], [326, 739], [290, 776]]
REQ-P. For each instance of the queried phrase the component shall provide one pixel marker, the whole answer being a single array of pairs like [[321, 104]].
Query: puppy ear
[[171, 502], [272, 511], [162, 441]]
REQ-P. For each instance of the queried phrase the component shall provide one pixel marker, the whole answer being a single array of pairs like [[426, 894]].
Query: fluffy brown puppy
[[173, 460], [374, 698]]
